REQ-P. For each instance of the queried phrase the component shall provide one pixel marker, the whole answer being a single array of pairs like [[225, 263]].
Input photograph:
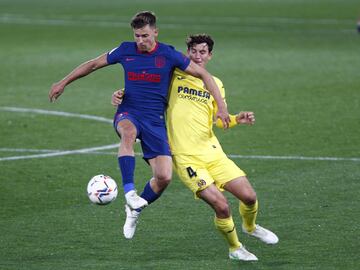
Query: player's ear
[[210, 55], [156, 32]]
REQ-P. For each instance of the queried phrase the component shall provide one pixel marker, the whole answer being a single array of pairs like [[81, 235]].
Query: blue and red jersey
[[147, 77]]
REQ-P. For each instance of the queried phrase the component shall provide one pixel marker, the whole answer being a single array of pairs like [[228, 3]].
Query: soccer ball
[[102, 189]]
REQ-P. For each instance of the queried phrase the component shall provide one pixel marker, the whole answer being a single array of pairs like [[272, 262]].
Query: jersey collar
[[151, 52]]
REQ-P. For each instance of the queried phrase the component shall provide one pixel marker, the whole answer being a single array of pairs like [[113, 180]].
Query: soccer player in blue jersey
[[148, 66]]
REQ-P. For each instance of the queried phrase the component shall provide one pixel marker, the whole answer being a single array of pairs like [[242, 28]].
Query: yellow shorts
[[198, 172]]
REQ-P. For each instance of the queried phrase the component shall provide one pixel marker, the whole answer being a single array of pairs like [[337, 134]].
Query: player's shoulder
[[179, 72], [166, 48], [182, 75], [118, 52], [220, 85]]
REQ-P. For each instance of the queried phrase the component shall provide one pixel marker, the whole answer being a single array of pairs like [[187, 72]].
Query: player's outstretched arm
[[84, 69], [197, 71]]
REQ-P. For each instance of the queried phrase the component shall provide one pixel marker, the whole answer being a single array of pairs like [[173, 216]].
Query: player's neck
[[154, 47]]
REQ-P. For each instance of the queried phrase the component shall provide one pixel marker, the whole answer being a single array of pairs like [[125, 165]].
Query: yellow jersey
[[189, 116]]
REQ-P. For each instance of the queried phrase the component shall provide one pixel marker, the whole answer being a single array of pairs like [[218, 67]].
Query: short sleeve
[[115, 55], [180, 60], [220, 86]]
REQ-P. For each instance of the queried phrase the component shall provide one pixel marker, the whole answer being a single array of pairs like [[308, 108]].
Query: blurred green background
[[294, 63]]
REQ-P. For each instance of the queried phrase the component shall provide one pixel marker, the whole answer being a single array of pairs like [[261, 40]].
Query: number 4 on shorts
[[191, 172]]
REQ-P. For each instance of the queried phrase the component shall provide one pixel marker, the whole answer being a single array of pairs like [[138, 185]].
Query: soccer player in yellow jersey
[[197, 154]]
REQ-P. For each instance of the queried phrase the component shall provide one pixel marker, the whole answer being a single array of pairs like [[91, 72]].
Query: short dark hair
[[192, 40], [142, 19]]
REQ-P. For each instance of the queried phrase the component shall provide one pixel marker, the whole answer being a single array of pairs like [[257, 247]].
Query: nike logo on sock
[[231, 230]]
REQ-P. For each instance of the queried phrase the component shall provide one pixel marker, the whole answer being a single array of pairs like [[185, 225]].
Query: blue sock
[[148, 194], [127, 168]]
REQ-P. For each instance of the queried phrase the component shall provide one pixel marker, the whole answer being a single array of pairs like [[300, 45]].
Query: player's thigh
[[126, 126], [214, 197], [192, 172], [241, 188], [126, 129], [223, 170]]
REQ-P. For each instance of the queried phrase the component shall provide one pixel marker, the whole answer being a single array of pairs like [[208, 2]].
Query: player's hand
[[56, 90], [247, 118], [223, 115], [117, 97]]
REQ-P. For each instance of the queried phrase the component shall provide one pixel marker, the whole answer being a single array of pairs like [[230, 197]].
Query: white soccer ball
[[102, 189]]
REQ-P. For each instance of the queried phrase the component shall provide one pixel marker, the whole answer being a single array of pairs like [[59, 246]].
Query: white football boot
[[241, 254], [134, 201], [132, 217], [263, 234]]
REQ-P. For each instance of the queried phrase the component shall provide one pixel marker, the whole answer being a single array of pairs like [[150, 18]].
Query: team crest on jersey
[[201, 183], [160, 61]]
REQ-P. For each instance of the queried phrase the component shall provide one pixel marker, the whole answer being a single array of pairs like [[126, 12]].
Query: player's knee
[[249, 198], [163, 179], [222, 209], [128, 134], [128, 137]]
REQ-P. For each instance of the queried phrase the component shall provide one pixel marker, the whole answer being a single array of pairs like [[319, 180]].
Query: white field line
[[58, 113], [97, 150], [58, 153], [295, 158], [28, 150], [234, 156], [63, 153]]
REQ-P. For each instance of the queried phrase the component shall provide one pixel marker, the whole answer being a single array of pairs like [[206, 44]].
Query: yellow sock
[[248, 214], [227, 228]]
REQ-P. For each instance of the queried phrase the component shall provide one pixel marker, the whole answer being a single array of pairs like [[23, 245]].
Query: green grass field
[[295, 63]]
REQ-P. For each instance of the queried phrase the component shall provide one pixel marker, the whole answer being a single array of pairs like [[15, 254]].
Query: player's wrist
[[233, 122], [238, 119], [63, 83]]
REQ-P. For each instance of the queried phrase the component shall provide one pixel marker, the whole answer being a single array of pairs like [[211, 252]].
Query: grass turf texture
[[295, 63]]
